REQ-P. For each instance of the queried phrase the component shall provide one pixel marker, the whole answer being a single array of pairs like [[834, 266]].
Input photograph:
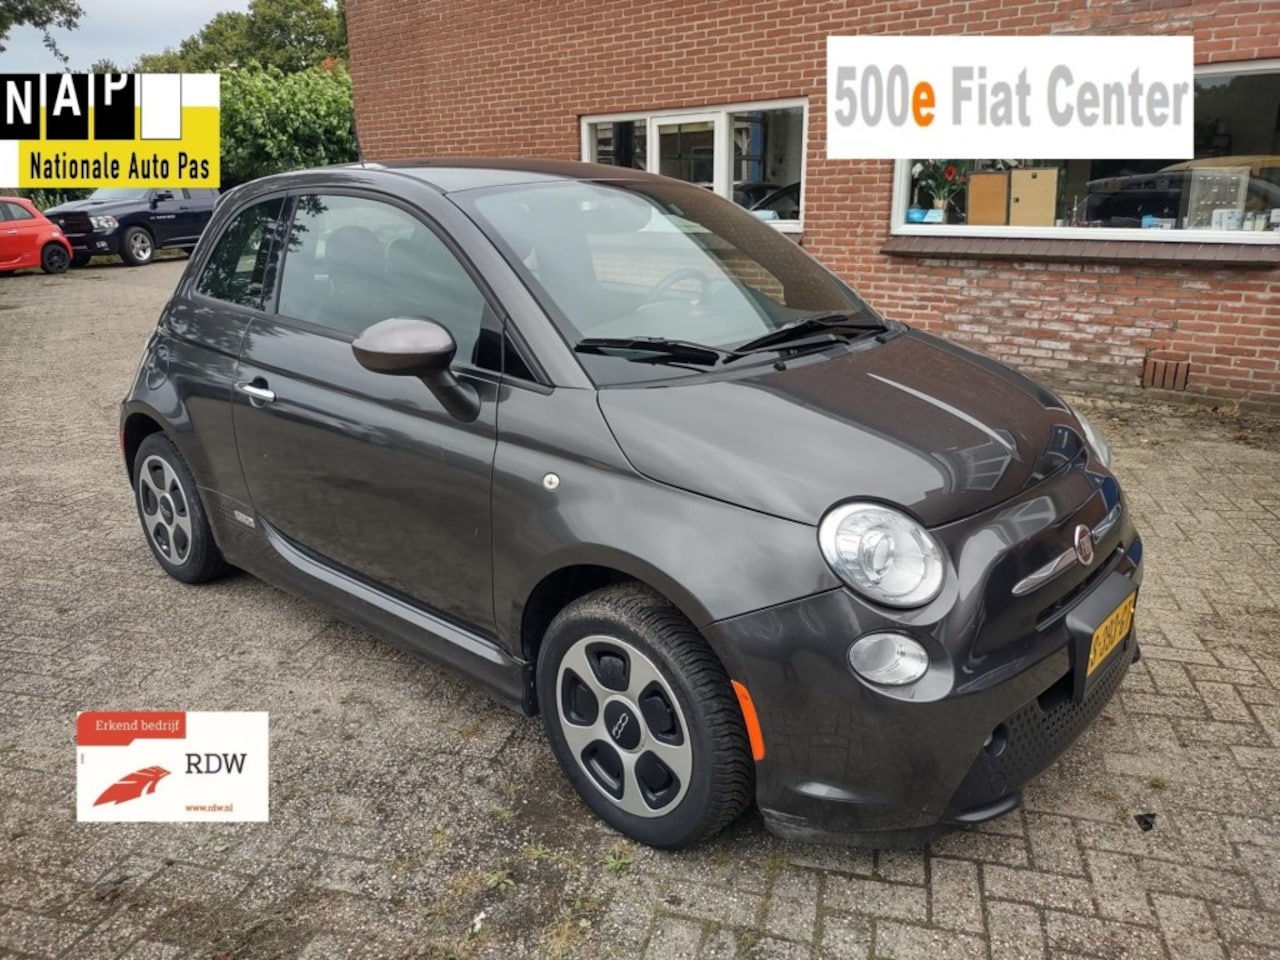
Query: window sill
[[1213, 253]]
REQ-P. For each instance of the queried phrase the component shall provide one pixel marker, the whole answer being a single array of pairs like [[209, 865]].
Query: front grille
[[1037, 734], [73, 224]]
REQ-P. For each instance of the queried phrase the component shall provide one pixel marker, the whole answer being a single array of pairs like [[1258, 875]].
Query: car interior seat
[[355, 263]]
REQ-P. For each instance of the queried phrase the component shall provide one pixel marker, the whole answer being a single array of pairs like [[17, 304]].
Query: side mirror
[[161, 195], [418, 347]]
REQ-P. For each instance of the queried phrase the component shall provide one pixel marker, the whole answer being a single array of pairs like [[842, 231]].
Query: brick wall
[[503, 77]]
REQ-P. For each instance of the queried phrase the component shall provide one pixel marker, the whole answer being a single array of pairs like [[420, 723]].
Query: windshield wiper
[[656, 350], [830, 323]]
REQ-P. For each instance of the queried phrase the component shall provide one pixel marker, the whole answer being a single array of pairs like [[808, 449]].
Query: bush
[[45, 198], [272, 121]]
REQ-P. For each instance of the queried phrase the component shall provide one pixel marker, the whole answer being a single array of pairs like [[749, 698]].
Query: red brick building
[[1061, 268]]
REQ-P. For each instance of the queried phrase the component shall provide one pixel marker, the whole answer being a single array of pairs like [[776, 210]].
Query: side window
[[238, 264], [14, 211], [352, 261]]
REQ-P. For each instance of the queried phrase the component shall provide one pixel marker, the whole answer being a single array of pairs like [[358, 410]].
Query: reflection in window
[[621, 143], [749, 154], [353, 262], [768, 149], [686, 151], [1233, 182], [237, 267]]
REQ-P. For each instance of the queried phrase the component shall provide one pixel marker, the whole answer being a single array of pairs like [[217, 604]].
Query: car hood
[[915, 421], [96, 208]]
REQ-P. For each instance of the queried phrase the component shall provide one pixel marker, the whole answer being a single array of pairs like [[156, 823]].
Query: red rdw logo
[[133, 785]]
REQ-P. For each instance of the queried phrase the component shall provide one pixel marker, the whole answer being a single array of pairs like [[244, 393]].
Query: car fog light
[[888, 658]]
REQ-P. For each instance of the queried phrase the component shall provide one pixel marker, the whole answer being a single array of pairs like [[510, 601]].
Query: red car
[[28, 239]]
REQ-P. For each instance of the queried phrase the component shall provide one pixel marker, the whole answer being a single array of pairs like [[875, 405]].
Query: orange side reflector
[[753, 721]]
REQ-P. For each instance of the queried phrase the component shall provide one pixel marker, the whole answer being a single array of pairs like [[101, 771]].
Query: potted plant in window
[[941, 179]]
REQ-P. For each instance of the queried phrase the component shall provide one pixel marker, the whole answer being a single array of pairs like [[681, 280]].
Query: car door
[[18, 236], [188, 220], [368, 472], [200, 209], [10, 244], [167, 210]]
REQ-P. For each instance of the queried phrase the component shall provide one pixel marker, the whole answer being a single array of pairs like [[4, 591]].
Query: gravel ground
[[405, 805]]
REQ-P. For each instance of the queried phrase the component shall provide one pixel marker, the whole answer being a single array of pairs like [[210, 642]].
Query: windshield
[[646, 259], [119, 193]]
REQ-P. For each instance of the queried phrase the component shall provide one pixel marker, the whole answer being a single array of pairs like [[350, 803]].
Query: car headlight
[[104, 223], [1096, 441], [888, 658], [881, 553]]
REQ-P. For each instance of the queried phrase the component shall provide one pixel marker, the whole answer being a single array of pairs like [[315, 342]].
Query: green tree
[[106, 65], [44, 15], [295, 34], [273, 121], [289, 35]]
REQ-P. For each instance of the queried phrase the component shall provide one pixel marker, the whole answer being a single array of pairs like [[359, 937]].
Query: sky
[[117, 30]]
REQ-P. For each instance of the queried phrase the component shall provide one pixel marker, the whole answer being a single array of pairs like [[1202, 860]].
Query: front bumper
[[848, 761], [96, 244]]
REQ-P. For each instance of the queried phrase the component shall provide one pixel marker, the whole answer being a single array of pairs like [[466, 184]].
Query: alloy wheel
[[55, 259], [624, 726], [165, 513], [140, 246]]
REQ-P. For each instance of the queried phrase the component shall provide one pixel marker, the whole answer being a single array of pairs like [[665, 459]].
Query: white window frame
[[722, 183], [902, 199]]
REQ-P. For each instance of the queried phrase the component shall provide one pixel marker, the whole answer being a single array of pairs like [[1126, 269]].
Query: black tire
[[176, 529], [54, 258], [137, 247], [620, 622], [81, 259]]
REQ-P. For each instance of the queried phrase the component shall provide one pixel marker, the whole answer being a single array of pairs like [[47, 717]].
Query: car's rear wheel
[[54, 258], [136, 247], [81, 259], [642, 718], [172, 515]]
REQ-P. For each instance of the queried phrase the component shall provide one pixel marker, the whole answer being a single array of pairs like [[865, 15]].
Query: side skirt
[[269, 554]]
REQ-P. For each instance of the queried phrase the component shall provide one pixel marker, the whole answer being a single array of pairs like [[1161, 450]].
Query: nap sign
[[96, 130]]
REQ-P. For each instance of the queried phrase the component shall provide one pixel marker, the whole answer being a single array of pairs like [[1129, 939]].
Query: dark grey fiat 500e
[[630, 458]]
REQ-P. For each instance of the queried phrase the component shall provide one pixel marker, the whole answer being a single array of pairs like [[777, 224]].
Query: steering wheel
[[674, 277]]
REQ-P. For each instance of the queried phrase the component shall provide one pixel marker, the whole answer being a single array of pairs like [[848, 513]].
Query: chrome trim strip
[[1064, 561], [1106, 523], [464, 639], [1067, 558]]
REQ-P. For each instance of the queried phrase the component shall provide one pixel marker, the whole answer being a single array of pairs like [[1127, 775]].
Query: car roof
[[449, 174]]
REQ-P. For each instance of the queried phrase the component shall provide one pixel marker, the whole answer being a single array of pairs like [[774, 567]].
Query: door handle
[[256, 391], [11, 233]]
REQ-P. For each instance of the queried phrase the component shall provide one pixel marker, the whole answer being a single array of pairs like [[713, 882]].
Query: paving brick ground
[[404, 804]]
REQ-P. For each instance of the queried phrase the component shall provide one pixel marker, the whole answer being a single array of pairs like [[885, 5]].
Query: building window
[[1230, 191], [752, 154]]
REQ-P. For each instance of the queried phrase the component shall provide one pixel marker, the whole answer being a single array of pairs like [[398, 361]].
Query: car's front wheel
[[642, 718], [54, 258], [172, 515], [136, 247]]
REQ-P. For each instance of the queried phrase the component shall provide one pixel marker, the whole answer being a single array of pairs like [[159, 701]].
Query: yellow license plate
[[1114, 629]]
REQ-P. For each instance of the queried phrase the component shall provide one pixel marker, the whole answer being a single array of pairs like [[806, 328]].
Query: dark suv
[[133, 222], [630, 458]]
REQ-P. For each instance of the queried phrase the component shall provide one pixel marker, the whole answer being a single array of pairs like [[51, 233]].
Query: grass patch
[[619, 860], [499, 880]]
